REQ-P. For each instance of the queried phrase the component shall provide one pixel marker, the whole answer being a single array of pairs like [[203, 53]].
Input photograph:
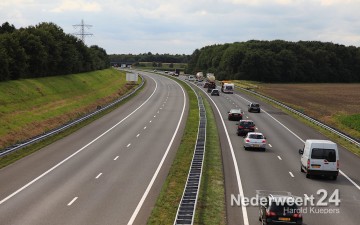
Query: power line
[[82, 33]]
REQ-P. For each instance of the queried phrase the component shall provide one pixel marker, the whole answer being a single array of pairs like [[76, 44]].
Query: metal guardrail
[[186, 210], [331, 129], [38, 138]]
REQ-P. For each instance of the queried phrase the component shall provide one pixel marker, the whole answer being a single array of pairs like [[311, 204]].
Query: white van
[[320, 157]]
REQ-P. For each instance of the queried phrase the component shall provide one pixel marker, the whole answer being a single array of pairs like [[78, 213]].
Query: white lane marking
[[97, 177], [150, 121], [157, 111], [270, 145], [238, 178], [138, 207], [154, 116], [291, 174], [340, 171], [144, 128], [279, 157], [116, 158], [72, 201], [160, 108], [137, 135], [128, 145], [78, 151], [256, 128]]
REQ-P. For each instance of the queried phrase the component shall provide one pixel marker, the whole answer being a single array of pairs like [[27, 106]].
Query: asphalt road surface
[[109, 172], [278, 168]]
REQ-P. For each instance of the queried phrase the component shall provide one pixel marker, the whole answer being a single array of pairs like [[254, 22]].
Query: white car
[[255, 140], [191, 78]]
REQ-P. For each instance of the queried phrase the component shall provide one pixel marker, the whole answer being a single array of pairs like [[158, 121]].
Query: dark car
[[277, 210], [215, 92], [235, 114], [254, 107], [245, 126]]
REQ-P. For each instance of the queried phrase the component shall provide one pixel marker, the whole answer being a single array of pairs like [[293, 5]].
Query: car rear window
[[328, 154], [246, 123], [283, 207], [256, 136]]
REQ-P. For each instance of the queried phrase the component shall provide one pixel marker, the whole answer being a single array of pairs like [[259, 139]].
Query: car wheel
[[245, 148], [334, 177], [308, 176], [263, 149]]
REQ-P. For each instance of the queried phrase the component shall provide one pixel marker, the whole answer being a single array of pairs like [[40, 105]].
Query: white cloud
[[70, 5]]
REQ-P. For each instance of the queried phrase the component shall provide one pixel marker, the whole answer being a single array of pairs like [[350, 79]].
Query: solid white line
[[340, 171], [128, 145], [279, 157], [116, 157], [78, 151], [137, 135], [98, 176], [238, 179], [270, 145], [72, 201], [138, 207], [292, 175]]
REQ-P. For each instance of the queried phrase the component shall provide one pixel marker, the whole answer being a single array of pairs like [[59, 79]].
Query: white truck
[[227, 87], [199, 76]]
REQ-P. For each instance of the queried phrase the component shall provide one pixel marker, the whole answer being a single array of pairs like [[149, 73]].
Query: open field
[[32, 106], [337, 105]]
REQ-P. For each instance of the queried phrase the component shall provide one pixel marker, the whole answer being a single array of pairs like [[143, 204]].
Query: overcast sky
[[181, 26]]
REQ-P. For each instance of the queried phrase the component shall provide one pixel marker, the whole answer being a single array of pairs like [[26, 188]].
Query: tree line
[[149, 57], [279, 61], [45, 50]]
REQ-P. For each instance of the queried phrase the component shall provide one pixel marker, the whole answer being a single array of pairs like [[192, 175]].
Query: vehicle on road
[[210, 82], [191, 78], [320, 157], [279, 209], [255, 140], [244, 127], [215, 92], [227, 87], [254, 107], [199, 76], [235, 114]]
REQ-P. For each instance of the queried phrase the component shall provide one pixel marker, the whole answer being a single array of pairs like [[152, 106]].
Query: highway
[[108, 172], [278, 168]]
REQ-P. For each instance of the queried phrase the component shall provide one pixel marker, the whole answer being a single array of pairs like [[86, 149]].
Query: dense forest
[[149, 57], [45, 50], [279, 61]]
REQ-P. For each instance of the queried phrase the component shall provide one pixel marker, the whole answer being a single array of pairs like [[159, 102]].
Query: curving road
[[278, 169], [109, 172]]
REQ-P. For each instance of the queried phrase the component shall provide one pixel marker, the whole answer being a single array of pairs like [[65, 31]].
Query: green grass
[[211, 203], [352, 121], [31, 106]]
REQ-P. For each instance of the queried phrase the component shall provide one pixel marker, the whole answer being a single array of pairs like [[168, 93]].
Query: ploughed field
[[337, 105]]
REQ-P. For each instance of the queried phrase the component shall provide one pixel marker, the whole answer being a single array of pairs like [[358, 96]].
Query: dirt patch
[[321, 101]]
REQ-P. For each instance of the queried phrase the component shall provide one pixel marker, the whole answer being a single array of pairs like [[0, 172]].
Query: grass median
[[211, 204]]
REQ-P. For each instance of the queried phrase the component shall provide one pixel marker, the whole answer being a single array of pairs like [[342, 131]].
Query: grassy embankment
[[211, 204], [32, 106], [337, 105]]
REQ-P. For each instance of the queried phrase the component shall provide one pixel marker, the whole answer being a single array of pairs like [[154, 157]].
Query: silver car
[[255, 140]]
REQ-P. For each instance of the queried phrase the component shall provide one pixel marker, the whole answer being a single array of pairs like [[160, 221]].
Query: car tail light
[[241, 127], [297, 215], [247, 140], [337, 164], [263, 141], [308, 163], [270, 213]]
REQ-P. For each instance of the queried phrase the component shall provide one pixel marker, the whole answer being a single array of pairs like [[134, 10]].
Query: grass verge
[[12, 157], [211, 204], [339, 140]]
